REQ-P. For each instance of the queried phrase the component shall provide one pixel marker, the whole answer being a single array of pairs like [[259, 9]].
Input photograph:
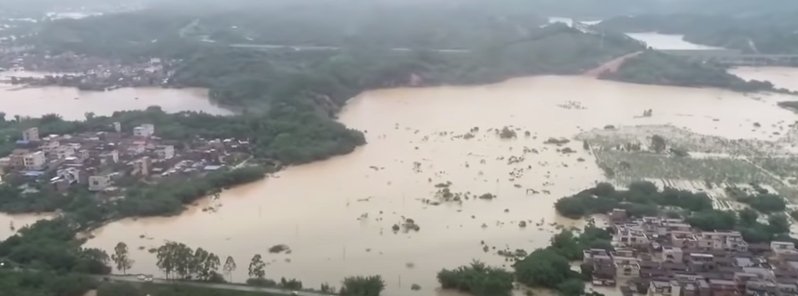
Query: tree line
[[545, 268], [652, 67], [644, 199]]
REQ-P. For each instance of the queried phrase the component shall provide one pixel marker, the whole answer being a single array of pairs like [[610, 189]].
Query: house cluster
[[88, 73], [100, 161], [666, 257]]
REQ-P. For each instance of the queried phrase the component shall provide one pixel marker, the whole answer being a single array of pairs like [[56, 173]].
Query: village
[[105, 162], [667, 257], [83, 72]]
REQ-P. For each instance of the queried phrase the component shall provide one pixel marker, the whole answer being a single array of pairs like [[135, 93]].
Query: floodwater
[[72, 103], [336, 215], [10, 224], [570, 21], [781, 77], [667, 41]]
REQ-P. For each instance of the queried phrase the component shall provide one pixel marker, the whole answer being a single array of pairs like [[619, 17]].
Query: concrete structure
[[723, 287], [683, 239], [672, 254], [99, 182], [35, 161], [71, 175], [110, 157], [626, 268], [145, 130], [727, 241], [142, 166], [65, 151], [117, 127], [660, 287], [17, 158], [165, 152], [31, 135], [618, 216], [631, 235], [600, 261], [783, 248], [701, 262]]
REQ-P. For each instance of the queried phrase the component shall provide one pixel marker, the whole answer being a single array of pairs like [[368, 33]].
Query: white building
[[71, 175], [31, 134], [165, 152], [145, 130], [34, 161], [110, 157]]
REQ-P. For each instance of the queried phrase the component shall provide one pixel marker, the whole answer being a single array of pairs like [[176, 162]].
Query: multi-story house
[[727, 241], [34, 161]]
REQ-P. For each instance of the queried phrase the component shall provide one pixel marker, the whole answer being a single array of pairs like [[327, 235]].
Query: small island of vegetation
[[652, 67]]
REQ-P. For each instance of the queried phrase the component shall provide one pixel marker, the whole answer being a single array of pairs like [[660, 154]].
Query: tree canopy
[[477, 279]]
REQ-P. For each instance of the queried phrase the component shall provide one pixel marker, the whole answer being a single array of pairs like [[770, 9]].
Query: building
[[117, 127], [631, 235], [761, 288], [660, 287], [17, 158], [99, 182], [787, 289], [723, 287], [618, 216], [165, 152], [782, 249], [145, 130], [71, 175], [671, 225], [602, 266], [701, 262], [65, 151], [31, 135], [626, 267], [727, 241], [689, 285], [142, 166], [672, 254], [35, 161], [110, 157], [683, 239]]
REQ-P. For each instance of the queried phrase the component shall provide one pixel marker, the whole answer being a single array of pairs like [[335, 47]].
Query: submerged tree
[[658, 143], [257, 269], [229, 267], [121, 258], [363, 286]]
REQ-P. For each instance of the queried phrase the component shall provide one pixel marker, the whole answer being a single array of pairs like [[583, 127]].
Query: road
[[275, 291], [610, 66], [333, 48]]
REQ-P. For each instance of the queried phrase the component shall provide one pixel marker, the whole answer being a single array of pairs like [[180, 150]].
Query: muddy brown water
[[781, 77], [73, 104], [336, 215]]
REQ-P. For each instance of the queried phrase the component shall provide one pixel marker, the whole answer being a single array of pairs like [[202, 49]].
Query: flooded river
[[72, 103], [667, 41], [9, 224], [337, 215], [781, 77]]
